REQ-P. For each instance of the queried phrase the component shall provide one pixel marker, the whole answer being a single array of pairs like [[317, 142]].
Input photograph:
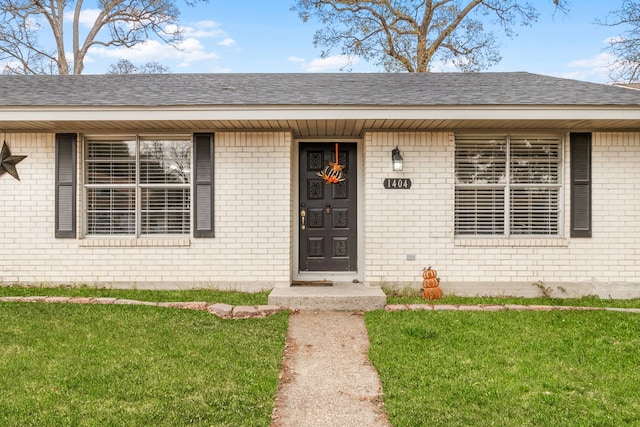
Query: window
[[138, 186], [508, 185]]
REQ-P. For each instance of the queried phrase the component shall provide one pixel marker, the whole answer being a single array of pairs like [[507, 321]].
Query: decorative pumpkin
[[431, 283], [432, 293], [429, 273]]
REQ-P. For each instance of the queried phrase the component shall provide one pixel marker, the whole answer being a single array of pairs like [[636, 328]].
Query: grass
[[80, 365], [412, 296], [507, 368], [86, 365], [210, 296]]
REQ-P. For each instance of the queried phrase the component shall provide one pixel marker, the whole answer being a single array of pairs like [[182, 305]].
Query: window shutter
[[580, 185], [203, 185], [65, 181]]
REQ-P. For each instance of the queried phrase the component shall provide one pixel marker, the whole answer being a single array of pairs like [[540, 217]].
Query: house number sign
[[397, 183]]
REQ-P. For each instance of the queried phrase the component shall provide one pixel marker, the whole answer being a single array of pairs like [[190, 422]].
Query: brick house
[[509, 182]]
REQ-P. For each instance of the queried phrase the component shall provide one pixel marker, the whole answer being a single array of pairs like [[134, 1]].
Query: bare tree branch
[[410, 35], [124, 66], [625, 49], [120, 23]]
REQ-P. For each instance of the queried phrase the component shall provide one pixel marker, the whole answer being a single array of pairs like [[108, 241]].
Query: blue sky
[[266, 36]]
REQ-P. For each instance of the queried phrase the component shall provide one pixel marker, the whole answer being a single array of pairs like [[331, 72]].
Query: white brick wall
[[419, 222], [251, 250], [254, 245]]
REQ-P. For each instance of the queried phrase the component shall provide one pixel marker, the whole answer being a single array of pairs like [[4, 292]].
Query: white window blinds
[[507, 185]]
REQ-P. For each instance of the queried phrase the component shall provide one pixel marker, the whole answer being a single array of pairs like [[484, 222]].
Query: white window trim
[[507, 237], [136, 239]]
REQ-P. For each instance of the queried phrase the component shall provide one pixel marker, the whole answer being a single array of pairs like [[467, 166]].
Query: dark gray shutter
[[580, 185], [203, 185], [65, 227]]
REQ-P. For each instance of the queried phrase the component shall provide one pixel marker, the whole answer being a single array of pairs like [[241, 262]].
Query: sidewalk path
[[326, 378]]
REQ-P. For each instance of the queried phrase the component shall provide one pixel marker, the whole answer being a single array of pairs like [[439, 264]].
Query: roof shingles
[[343, 89]]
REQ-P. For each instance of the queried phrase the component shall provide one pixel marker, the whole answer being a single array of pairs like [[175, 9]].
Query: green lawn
[[85, 365], [88, 365], [413, 297], [508, 368]]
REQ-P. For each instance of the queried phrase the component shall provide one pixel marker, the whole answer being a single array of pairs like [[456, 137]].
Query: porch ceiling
[[350, 128]]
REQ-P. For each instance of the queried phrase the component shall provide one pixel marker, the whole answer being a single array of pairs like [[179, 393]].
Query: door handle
[[303, 214]]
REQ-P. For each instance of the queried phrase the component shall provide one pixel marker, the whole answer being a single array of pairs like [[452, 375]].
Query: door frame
[[335, 276]]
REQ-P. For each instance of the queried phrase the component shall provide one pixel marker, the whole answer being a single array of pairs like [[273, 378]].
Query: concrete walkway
[[326, 378], [339, 296]]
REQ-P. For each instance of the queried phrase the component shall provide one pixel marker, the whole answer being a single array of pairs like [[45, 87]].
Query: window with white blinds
[[508, 185], [138, 186]]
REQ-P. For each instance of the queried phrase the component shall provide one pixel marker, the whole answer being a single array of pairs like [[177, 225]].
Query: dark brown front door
[[327, 215]]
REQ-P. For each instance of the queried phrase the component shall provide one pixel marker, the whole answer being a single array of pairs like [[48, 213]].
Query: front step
[[339, 297]]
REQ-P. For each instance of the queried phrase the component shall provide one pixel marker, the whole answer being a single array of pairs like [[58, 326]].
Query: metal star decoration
[[8, 162]]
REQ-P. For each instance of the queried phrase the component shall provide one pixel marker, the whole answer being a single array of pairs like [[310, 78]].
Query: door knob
[[303, 214]]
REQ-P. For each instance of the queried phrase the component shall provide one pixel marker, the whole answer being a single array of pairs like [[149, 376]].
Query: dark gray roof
[[431, 89]]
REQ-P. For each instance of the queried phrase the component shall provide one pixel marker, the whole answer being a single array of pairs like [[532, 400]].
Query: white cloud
[[192, 49], [200, 29], [11, 65], [443, 67], [32, 23], [189, 51], [614, 39], [600, 60], [204, 29], [87, 16], [596, 68], [319, 65], [227, 42]]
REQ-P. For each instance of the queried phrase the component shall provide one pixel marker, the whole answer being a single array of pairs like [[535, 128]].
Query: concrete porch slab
[[339, 297]]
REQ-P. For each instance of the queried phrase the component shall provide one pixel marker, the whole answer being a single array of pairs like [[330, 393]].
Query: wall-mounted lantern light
[[396, 160]]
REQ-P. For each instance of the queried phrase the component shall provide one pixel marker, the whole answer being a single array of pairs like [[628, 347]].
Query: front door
[[327, 215]]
